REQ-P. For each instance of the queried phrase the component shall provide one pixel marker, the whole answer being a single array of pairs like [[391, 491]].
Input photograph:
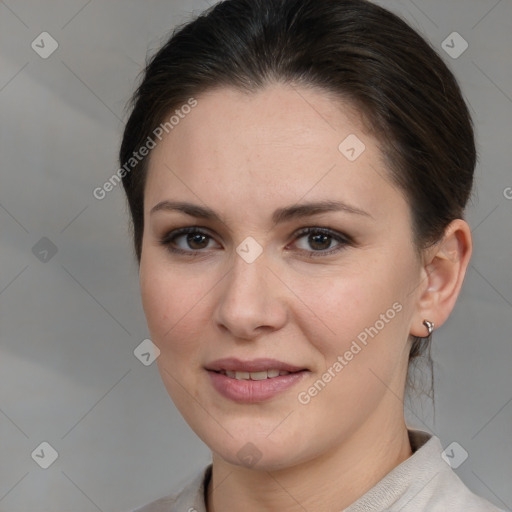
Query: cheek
[[364, 356], [342, 306], [361, 316], [174, 306]]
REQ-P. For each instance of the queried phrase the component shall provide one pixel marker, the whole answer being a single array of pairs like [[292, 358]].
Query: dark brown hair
[[353, 49]]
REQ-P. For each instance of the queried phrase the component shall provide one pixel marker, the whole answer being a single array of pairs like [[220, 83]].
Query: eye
[[321, 241], [189, 241], [193, 241]]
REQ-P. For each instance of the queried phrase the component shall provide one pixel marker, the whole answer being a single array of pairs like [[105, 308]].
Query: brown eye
[[190, 240], [196, 240], [320, 241]]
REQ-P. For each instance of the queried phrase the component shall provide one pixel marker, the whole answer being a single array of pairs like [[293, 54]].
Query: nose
[[252, 300]]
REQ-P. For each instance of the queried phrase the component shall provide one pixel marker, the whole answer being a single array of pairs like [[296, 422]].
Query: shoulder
[[436, 488], [450, 493], [425, 482], [189, 499], [161, 505]]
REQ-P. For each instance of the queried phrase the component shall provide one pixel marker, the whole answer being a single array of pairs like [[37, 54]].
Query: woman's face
[[250, 290]]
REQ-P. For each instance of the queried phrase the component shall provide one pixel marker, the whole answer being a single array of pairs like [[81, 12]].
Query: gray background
[[69, 322]]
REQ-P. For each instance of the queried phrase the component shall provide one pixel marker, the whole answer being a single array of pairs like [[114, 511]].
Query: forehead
[[276, 145], [278, 116]]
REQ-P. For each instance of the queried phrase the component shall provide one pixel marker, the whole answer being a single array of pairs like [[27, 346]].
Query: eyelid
[[170, 236], [342, 239], [324, 230]]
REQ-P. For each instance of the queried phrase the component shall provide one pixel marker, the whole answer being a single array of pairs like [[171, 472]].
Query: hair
[[352, 49]]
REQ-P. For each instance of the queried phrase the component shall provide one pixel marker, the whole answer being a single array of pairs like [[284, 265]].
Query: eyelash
[[343, 240]]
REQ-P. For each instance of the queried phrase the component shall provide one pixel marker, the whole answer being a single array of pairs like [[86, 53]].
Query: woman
[[297, 173]]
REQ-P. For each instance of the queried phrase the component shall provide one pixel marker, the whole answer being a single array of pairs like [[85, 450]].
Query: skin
[[244, 156]]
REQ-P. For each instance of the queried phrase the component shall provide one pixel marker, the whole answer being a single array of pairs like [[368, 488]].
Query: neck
[[331, 481]]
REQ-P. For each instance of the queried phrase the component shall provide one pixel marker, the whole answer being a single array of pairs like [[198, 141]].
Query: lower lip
[[252, 391]]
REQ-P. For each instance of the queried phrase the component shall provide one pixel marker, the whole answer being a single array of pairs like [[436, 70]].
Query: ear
[[444, 268]]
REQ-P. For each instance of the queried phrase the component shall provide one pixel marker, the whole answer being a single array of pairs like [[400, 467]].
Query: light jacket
[[425, 482]]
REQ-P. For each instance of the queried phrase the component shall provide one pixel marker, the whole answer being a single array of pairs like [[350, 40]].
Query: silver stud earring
[[429, 325]]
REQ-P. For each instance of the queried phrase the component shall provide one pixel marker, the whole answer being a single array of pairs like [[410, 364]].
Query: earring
[[429, 325]]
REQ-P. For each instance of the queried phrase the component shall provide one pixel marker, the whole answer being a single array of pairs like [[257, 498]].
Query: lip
[[254, 365], [253, 391]]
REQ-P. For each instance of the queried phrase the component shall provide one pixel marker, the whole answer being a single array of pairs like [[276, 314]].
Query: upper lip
[[254, 365]]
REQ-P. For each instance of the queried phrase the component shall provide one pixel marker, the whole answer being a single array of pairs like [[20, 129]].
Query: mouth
[[255, 369], [262, 375], [253, 381]]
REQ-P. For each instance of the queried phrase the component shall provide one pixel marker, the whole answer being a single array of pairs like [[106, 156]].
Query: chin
[[258, 453]]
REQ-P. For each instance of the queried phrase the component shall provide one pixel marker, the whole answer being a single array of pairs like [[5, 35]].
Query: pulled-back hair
[[354, 49]]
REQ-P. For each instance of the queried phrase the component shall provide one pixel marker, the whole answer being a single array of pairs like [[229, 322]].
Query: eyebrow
[[279, 216]]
